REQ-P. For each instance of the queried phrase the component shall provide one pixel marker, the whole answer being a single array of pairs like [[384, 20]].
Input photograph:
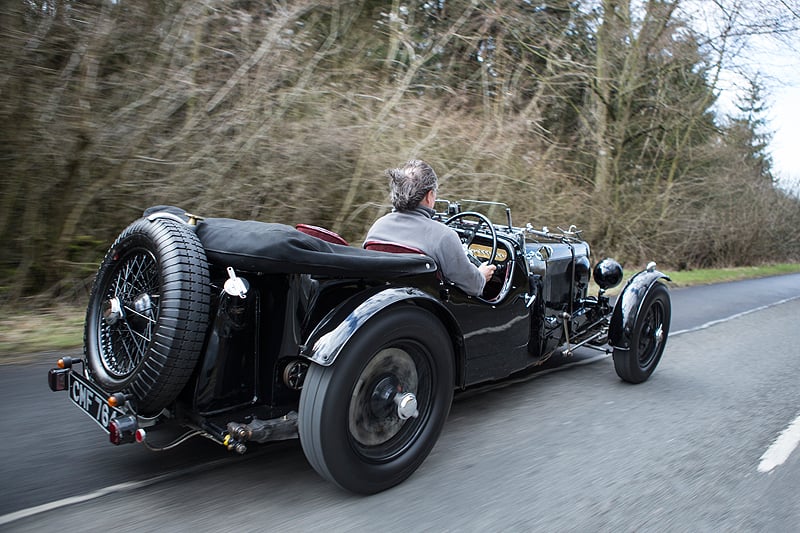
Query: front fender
[[628, 304], [332, 334]]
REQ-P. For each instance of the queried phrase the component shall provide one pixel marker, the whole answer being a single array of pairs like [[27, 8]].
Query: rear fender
[[628, 304], [333, 333]]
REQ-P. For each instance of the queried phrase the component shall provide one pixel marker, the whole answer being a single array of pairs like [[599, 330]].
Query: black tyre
[[356, 423], [148, 313], [648, 338]]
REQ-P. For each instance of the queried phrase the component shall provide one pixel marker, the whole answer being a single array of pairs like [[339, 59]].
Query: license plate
[[91, 400]]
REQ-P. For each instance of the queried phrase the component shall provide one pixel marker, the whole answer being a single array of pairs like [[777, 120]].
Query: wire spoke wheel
[[135, 288], [152, 284]]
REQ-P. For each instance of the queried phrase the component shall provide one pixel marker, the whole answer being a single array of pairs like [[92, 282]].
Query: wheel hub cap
[[381, 401], [112, 311], [406, 406], [388, 399], [143, 303], [659, 335]]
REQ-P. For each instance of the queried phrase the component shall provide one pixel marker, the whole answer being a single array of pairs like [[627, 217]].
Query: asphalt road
[[571, 450]]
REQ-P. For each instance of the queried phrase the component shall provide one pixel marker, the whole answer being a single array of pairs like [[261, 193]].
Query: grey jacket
[[416, 228]]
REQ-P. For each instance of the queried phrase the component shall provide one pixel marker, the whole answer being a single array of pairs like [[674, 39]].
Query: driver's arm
[[457, 268]]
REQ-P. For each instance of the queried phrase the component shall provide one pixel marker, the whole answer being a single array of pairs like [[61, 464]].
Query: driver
[[413, 193]]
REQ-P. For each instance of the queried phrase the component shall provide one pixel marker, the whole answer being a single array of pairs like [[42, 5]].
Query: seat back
[[321, 233], [391, 247]]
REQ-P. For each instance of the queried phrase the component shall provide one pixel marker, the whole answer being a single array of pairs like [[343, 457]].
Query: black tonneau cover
[[277, 248]]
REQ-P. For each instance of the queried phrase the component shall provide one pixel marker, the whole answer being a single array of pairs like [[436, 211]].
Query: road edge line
[[732, 317], [111, 489]]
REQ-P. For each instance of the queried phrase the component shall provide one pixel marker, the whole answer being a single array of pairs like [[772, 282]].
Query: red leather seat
[[392, 247], [321, 233]]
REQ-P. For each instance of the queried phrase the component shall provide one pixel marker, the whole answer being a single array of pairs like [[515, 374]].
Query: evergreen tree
[[747, 134]]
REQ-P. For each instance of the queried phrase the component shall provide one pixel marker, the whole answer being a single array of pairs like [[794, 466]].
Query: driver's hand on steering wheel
[[487, 270]]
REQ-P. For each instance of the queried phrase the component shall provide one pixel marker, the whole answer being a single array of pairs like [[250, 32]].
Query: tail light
[[57, 379], [122, 430]]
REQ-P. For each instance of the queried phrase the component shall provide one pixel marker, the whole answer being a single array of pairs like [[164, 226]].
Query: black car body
[[244, 331]]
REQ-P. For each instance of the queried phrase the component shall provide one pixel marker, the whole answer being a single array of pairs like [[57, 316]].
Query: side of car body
[[357, 352]]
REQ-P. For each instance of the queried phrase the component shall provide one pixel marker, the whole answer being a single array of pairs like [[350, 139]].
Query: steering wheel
[[469, 236]]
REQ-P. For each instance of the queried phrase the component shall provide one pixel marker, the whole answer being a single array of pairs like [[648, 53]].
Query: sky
[[785, 145], [783, 101], [777, 60], [765, 39]]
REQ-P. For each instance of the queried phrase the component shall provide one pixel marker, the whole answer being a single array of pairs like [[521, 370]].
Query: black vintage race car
[[244, 331]]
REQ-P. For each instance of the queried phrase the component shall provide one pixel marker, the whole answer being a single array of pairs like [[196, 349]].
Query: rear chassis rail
[[169, 429]]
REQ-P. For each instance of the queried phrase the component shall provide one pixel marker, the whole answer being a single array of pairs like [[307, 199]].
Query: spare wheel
[[148, 313]]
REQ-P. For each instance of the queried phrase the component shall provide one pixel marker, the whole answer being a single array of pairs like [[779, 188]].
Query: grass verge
[[688, 278], [61, 327], [52, 329]]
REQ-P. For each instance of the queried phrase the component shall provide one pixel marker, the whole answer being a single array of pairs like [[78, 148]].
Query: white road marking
[[119, 487], [782, 448], [50, 506], [788, 440], [727, 318]]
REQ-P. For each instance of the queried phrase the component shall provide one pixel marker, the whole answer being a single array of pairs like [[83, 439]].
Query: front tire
[[148, 313], [356, 421], [648, 338]]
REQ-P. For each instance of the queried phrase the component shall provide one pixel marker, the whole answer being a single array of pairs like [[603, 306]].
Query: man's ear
[[430, 198]]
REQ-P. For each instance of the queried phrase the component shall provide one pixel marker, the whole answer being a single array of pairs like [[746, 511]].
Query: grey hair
[[410, 183]]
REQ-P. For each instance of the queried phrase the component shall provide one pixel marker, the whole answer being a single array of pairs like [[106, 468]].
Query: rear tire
[[148, 313], [648, 338], [349, 421]]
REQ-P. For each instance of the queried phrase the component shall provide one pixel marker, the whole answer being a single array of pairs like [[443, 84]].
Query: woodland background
[[595, 113]]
